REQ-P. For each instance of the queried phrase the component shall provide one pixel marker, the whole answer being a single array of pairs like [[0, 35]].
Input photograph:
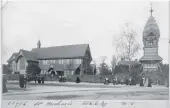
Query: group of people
[[146, 82], [130, 81], [114, 81]]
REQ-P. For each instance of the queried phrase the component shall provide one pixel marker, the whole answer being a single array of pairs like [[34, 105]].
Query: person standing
[[106, 81], [25, 81], [130, 81], [149, 82], [4, 88], [142, 82]]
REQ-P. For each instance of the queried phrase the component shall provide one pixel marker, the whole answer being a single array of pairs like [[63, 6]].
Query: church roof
[[69, 51], [151, 26], [13, 57], [29, 56], [151, 57], [57, 52]]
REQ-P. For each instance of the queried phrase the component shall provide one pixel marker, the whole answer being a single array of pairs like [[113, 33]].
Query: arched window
[[22, 63]]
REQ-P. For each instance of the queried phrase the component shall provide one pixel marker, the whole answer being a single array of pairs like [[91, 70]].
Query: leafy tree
[[33, 69], [164, 71], [104, 68], [95, 64], [6, 69]]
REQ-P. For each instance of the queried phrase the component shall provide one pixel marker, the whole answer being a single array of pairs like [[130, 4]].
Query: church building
[[71, 59]]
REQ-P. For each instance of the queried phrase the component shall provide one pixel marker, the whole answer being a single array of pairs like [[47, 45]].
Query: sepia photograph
[[85, 50]]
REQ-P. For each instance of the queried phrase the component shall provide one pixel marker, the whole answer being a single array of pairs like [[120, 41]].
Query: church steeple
[[151, 32], [39, 44]]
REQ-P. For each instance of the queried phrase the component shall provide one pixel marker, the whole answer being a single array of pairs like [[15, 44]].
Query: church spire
[[39, 44], [151, 9]]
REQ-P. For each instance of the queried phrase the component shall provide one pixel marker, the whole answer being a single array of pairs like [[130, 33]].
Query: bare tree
[[126, 45]]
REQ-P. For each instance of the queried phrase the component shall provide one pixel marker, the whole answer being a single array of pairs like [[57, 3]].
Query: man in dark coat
[[25, 81], [149, 82], [4, 88], [127, 81], [114, 81], [141, 81]]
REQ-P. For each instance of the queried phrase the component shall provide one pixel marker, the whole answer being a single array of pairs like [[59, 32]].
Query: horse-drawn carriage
[[62, 78], [37, 77]]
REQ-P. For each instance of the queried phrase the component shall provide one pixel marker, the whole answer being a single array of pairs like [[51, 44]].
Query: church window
[[22, 63], [77, 61], [72, 72], [70, 61], [80, 61], [64, 61], [67, 61], [56, 61], [153, 65], [146, 65], [60, 61], [46, 61]]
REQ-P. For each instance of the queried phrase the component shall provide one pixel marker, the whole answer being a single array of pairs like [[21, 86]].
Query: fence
[[83, 78], [89, 78], [11, 76], [69, 78]]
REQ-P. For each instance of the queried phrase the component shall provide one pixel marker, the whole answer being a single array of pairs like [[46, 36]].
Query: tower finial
[[39, 43], [151, 9]]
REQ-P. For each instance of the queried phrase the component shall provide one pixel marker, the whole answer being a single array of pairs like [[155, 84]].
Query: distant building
[[72, 59]]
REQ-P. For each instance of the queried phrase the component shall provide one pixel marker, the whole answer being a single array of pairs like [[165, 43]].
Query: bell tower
[[151, 34]]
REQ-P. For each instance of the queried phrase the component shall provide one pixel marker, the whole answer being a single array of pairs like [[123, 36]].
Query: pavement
[[83, 91]]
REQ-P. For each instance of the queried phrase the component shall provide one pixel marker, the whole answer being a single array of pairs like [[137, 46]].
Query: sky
[[63, 22]]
